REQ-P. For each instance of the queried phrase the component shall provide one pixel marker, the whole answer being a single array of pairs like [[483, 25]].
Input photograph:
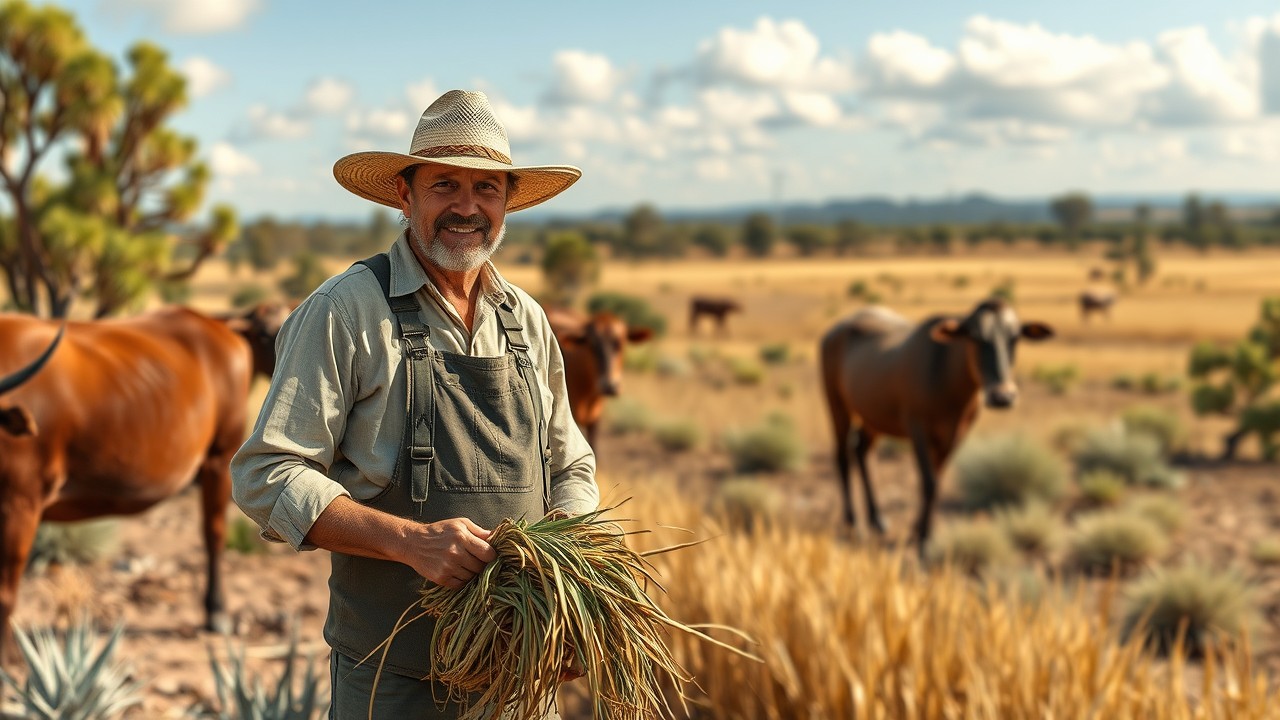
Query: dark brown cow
[[885, 376], [592, 349], [718, 309], [260, 325], [1096, 301], [129, 412]]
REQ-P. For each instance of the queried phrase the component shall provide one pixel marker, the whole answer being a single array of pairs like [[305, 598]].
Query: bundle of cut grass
[[563, 592]]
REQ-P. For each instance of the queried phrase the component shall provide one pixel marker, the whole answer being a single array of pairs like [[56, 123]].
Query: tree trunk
[[1231, 443]]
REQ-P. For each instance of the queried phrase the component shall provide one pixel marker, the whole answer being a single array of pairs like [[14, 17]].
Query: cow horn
[[23, 375]]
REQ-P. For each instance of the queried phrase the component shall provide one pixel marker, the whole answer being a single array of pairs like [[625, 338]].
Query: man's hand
[[449, 552]]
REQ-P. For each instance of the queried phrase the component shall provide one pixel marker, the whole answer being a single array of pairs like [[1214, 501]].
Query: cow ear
[[1036, 331], [573, 339], [17, 421], [946, 331], [639, 334], [238, 324]]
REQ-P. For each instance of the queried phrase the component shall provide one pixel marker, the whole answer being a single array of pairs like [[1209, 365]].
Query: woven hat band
[[479, 151]]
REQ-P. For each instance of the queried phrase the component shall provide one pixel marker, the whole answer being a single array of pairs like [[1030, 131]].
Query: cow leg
[[18, 523], [864, 441], [215, 494], [927, 465]]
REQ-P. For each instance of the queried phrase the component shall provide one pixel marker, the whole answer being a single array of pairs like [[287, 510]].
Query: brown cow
[[129, 412], [717, 309], [884, 376], [592, 349], [1096, 301]]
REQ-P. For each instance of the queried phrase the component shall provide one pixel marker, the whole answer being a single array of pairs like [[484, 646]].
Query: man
[[336, 462]]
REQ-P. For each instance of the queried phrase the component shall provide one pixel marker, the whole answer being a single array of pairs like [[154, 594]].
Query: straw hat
[[459, 129]]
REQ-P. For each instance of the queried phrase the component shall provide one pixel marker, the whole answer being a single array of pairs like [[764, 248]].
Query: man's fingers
[[475, 529], [478, 548]]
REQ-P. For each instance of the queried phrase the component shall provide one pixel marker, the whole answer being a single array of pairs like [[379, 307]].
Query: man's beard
[[459, 259]]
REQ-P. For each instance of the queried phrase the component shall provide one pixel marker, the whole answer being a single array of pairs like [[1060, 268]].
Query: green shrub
[[775, 354], [1102, 488], [770, 446], [677, 435], [74, 543], [1266, 551], [72, 678], [624, 416], [249, 295], [1134, 456], [1057, 378], [702, 356], [244, 538], [1008, 470], [972, 545], [1005, 291], [1125, 382], [1166, 511], [640, 358], [634, 311], [1264, 421], [1210, 399], [746, 371], [1200, 602], [1161, 424], [746, 503], [1034, 529], [892, 448], [1115, 538], [668, 366], [1154, 383]]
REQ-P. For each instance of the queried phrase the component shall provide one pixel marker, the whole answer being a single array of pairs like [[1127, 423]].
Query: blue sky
[[689, 104]]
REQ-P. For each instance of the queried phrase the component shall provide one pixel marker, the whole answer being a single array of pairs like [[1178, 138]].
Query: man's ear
[[948, 330], [1036, 331], [405, 193], [639, 334]]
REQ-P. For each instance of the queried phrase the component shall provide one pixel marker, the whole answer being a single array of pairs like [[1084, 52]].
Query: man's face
[[456, 215]]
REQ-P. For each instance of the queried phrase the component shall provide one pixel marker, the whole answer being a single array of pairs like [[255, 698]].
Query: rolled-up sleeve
[[279, 475]]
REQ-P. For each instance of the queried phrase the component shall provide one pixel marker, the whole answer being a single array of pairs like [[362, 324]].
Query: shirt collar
[[408, 276]]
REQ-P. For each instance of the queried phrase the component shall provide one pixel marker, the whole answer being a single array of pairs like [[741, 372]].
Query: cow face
[[991, 333], [606, 337], [260, 326]]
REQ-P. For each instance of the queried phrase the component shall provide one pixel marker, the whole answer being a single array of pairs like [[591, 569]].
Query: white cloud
[[263, 123], [902, 60], [811, 108], [581, 77], [381, 122], [189, 17], [203, 76], [228, 162], [779, 55], [327, 95], [1269, 64], [1205, 88]]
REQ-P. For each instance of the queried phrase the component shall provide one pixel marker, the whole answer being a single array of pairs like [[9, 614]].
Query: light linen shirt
[[333, 420]]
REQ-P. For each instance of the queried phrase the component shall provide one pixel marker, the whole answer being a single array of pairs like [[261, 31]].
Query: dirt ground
[[153, 583]]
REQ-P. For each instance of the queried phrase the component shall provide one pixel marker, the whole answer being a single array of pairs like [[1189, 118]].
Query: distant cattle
[[260, 325], [1096, 301], [718, 309], [593, 348], [883, 375], [128, 413]]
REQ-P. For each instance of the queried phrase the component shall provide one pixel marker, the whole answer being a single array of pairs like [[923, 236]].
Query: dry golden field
[[846, 626]]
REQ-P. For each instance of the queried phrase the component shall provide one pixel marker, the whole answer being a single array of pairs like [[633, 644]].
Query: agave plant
[[67, 680], [244, 698]]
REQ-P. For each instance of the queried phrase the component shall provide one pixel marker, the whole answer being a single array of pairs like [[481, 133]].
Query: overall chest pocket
[[486, 437]]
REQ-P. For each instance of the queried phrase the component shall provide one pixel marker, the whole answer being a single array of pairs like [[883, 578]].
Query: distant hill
[[973, 208]]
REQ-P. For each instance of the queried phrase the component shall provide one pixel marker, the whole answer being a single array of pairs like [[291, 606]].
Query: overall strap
[[520, 348], [418, 380]]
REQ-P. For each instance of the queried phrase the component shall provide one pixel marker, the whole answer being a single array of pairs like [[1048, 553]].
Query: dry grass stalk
[[564, 591], [847, 632]]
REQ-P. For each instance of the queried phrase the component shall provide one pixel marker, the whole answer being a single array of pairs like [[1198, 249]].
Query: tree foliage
[[1073, 212], [107, 233], [569, 266], [1238, 381], [758, 234]]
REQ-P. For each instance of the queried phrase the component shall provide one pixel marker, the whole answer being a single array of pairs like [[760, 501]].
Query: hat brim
[[372, 176]]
